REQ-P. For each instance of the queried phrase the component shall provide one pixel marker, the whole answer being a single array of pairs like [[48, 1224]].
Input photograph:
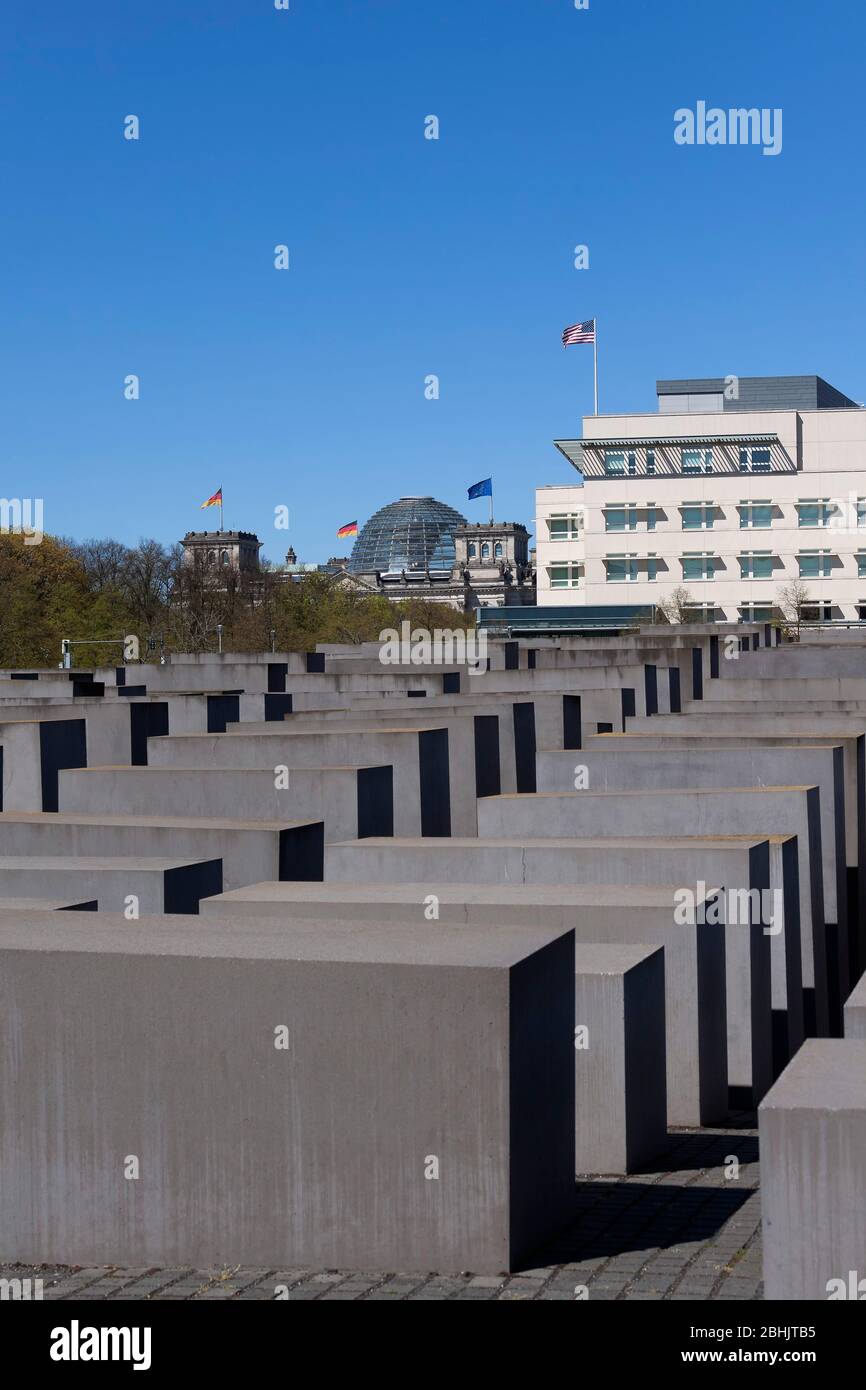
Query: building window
[[698, 516], [698, 565], [814, 564], [619, 463], [756, 613], [817, 612], [815, 511], [620, 518], [224, 558], [472, 550], [652, 568], [753, 460], [650, 463], [621, 569], [565, 526], [485, 551], [861, 511], [756, 564], [211, 557], [564, 576], [697, 461], [650, 516], [860, 557], [755, 516], [701, 612], [497, 551]]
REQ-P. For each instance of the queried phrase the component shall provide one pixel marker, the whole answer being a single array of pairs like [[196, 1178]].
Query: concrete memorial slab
[[695, 981], [351, 801], [136, 886], [720, 811], [249, 850], [813, 1136], [134, 1129]]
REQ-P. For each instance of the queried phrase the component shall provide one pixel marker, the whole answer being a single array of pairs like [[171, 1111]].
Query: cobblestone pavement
[[680, 1229]]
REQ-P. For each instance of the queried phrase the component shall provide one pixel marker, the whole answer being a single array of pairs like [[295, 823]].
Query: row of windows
[[812, 513], [622, 463], [754, 564], [498, 552]]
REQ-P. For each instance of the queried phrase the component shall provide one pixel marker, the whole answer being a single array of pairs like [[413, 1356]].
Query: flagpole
[[491, 501], [595, 360]]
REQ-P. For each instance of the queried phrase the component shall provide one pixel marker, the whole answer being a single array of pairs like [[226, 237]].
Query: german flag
[[215, 501], [350, 530]]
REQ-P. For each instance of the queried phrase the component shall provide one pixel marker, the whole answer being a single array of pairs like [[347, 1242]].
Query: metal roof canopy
[[662, 442]]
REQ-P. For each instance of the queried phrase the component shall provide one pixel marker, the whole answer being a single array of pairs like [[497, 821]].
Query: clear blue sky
[[408, 257]]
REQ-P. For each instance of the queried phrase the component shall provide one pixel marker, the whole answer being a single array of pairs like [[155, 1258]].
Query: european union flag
[[482, 489]]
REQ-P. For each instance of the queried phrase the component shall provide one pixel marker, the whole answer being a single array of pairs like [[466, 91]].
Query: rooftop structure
[[413, 533]]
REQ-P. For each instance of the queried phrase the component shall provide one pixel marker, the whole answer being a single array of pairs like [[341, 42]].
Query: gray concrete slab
[[695, 976], [812, 1128], [855, 1011], [665, 769], [760, 811], [737, 863], [825, 732], [620, 1057], [351, 801], [137, 886], [430, 763], [249, 850], [36, 904], [149, 1115]]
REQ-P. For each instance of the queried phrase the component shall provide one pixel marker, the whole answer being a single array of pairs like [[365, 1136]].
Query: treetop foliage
[[103, 590]]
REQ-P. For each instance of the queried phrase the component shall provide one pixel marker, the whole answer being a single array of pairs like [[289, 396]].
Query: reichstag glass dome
[[413, 533]]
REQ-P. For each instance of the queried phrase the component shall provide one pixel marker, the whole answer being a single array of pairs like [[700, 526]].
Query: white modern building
[[736, 490]]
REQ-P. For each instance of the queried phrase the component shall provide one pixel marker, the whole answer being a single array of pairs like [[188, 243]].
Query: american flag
[[579, 333]]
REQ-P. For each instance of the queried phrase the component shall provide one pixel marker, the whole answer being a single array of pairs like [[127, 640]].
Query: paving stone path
[[679, 1230]]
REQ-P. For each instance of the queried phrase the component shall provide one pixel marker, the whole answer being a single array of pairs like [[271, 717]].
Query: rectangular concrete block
[[351, 801], [620, 1069], [429, 763], [695, 979], [720, 811], [388, 1099], [813, 1177], [620, 1063], [249, 850], [118, 884], [855, 1012]]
